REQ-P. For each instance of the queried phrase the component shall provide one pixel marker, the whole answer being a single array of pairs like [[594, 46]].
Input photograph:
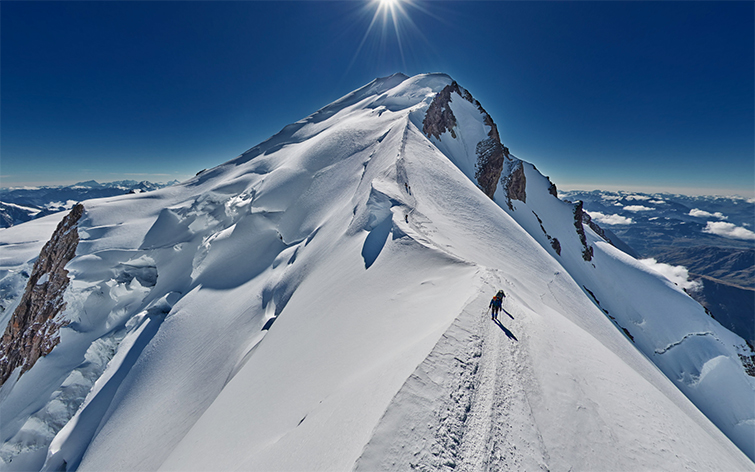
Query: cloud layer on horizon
[[706, 214], [728, 230]]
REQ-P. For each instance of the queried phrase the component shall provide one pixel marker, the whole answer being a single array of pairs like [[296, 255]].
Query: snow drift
[[319, 303]]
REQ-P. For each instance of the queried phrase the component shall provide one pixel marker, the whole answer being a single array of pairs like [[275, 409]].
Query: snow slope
[[318, 303], [700, 356]]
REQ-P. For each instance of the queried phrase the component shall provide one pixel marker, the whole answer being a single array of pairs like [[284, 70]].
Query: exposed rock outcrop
[[555, 244], [578, 217], [514, 182], [439, 117], [490, 152], [748, 362], [33, 330], [552, 188], [490, 155], [607, 235], [594, 226]]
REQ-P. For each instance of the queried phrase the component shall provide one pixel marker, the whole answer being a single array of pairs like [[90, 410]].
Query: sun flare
[[391, 29], [389, 4]]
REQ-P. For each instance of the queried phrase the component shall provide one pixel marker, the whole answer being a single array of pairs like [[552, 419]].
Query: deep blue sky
[[633, 95]]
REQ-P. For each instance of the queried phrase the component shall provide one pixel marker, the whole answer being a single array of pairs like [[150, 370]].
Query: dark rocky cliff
[[490, 152], [494, 162], [33, 330], [514, 182]]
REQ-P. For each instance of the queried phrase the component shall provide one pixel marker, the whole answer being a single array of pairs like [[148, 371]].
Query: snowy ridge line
[[479, 418], [707, 333], [421, 427], [499, 400], [402, 179], [454, 411]]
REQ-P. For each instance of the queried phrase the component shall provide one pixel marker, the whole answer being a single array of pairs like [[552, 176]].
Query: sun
[[392, 8], [390, 27], [389, 4]]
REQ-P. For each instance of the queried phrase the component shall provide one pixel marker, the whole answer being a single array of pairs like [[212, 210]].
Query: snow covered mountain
[[18, 205], [319, 303], [708, 236]]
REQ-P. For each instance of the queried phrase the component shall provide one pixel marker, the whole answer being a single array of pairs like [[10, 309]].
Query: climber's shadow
[[505, 330]]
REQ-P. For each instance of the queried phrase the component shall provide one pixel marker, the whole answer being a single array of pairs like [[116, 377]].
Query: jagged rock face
[[490, 155], [587, 253], [515, 184], [490, 152], [598, 230], [555, 244], [552, 189], [439, 117], [33, 331]]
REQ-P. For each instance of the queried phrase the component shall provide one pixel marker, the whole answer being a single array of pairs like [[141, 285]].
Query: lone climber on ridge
[[495, 304]]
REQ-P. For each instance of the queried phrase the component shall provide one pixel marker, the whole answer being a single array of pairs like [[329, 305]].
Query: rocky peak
[[33, 331], [439, 119]]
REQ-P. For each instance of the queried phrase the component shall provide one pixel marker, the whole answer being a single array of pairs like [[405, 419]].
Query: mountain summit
[[320, 303]]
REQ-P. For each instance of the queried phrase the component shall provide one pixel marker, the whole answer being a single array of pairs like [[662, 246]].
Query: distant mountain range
[[18, 205], [711, 236]]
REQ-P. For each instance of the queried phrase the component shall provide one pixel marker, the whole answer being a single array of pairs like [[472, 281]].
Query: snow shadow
[[505, 330], [269, 323], [375, 241], [73, 440]]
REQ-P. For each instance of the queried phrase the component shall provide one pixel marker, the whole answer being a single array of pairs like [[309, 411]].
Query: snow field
[[651, 311], [279, 312]]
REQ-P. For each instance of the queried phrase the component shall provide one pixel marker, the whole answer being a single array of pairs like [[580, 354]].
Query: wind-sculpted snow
[[289, 309]]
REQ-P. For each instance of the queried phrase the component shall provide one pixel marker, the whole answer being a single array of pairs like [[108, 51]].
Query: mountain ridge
[[339, 261]]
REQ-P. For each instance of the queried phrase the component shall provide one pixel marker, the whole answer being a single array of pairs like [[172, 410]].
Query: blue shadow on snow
[[375, 242], [505, 330]]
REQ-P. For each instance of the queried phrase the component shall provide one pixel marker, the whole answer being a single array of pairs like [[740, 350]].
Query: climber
[[495, 304]]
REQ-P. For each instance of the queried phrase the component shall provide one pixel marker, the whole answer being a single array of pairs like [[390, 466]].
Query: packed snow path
[[476, 403], [482, 419], [499, 403]]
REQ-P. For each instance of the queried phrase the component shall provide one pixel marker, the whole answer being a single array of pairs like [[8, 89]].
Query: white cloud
[[637, 197], [610, 219], [728, 230], [705, 214], [657, 202], [636, 208], [677, 274]]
